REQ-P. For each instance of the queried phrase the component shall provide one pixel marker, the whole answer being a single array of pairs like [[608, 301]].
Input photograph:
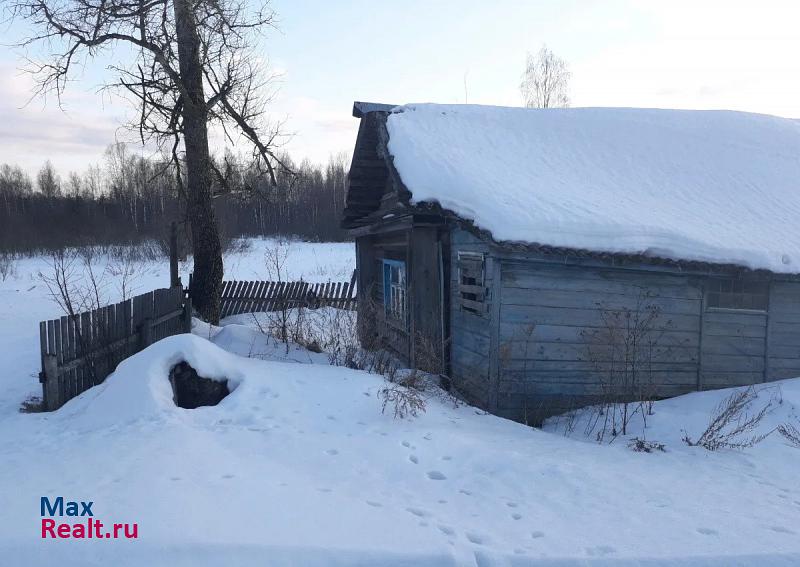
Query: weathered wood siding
[[733, 348], [471, 333], [546, 312], [783, 331], [525, 355], [424, 299]]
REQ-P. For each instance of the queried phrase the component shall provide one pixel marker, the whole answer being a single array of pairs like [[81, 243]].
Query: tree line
[[130, 198]]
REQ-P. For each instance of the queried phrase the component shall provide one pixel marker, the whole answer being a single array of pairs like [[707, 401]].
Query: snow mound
[[713, 186], [139, 389]]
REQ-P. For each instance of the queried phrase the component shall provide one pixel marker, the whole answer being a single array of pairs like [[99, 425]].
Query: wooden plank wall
[[470, 332], [81, 351], [783, 331], [547, 315], [261, 296], [424, 300], [527, 356], [733, 348]]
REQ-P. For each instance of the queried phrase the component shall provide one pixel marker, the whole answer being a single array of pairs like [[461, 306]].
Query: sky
[[705, 54]]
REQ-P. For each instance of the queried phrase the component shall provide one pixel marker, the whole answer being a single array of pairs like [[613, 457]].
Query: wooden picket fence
[[261, 296], [80, 351]]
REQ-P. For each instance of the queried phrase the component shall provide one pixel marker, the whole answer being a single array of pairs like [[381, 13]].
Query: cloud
[[34, 130]]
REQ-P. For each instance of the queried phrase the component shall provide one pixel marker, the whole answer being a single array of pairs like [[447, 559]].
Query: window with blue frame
[[394, 290]]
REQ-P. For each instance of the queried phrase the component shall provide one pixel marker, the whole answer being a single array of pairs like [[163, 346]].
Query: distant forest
[[131, 199]]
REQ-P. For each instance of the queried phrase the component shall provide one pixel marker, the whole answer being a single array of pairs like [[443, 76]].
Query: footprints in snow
[[782, 530], [477, 538], [600, 550], [434, 474], [473, 537]]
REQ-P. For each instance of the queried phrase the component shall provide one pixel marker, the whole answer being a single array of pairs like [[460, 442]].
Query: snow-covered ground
[[298, 466]]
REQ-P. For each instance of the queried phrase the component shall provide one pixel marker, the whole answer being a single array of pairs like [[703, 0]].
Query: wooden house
[[521, 252]]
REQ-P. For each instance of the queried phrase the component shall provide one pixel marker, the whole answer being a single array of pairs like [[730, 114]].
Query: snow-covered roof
[[710, 186]]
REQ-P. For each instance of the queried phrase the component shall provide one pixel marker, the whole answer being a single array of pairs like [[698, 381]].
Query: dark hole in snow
[[190, 391]]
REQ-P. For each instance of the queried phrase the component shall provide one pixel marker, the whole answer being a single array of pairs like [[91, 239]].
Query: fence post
[[49, 378], [187, 315], [145, 333], [174, 278]]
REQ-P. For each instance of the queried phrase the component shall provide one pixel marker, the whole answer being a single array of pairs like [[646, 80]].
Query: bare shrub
[[335, 332], [791, 433], [511, 349], [144, 251], [126, 274], [8, 266], [734, 423], [275, 258], [77, 282], [235, 246], [644, 446], [404, 400], [624, 352], [34, 404], [62, 280], [568, 419], [428, 355]]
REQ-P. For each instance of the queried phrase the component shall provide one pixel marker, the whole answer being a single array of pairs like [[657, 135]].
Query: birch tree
[[545, 82]]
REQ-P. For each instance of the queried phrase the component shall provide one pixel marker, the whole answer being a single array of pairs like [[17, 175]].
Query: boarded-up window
[[471, 286], [737, 294], [394, 291]]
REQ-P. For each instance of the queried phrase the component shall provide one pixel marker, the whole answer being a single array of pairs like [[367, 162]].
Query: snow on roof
[[711, 186]]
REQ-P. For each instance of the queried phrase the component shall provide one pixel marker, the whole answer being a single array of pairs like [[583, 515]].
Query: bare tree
[[192, 66], [48, 181], [545, 82], [74, 185]]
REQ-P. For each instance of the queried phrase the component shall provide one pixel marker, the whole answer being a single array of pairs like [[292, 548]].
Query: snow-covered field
[[298, 466]]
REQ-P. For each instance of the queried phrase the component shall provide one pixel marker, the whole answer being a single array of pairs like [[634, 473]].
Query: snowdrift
[[714, 186], [297, 466]]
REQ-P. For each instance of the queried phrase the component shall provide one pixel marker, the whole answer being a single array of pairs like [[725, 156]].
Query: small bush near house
[[734, 424], [33, 404], [644, 446], [791, 433], [404, 400]]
